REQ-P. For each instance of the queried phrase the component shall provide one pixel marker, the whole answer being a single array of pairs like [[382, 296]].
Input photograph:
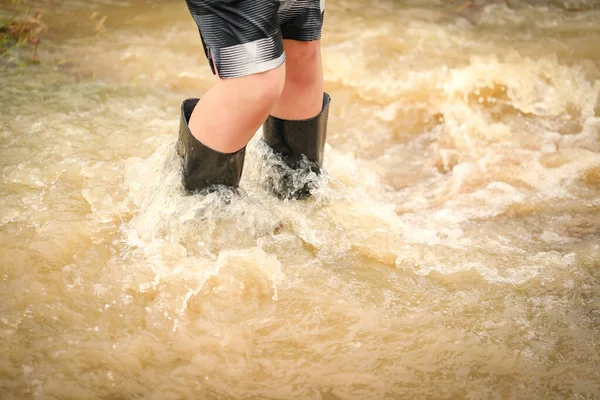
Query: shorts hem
[[249, 58]]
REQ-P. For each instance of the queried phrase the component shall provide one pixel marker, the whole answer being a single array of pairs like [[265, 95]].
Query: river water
[[452, 251]]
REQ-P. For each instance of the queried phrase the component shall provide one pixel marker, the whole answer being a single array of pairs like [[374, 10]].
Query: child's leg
[[229, 114], [243, 42], [302, 95], [297, 126]]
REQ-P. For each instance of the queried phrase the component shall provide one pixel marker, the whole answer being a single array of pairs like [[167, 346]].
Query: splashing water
[[451, 251]]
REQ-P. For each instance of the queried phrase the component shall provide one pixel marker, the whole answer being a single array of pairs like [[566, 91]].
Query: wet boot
[[300, 144], [205, 169]]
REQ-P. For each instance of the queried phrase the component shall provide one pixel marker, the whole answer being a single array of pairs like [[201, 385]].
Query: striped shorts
[[244, 37]]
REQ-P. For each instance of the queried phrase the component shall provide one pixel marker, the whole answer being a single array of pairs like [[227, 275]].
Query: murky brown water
[[453, 251]]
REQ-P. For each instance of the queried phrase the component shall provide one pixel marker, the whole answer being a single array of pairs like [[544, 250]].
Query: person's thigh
[[240, 37]]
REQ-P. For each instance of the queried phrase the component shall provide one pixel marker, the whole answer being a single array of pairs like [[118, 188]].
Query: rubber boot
[[300, 144], [205, 169]]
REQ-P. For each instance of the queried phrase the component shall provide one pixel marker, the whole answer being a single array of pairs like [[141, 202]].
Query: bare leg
[[229, 114], [302, 95]]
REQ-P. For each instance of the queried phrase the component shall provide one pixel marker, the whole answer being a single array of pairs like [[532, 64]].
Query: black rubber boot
[[300, 145], [205, 169]]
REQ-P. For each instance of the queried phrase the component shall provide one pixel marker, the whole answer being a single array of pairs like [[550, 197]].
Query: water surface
[[451, 252]]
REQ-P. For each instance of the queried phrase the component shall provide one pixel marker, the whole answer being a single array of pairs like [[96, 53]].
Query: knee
[[303, 64], [260, 90], [268, 85]]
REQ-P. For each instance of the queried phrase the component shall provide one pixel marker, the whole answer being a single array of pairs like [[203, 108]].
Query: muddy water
[[453, 250]]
